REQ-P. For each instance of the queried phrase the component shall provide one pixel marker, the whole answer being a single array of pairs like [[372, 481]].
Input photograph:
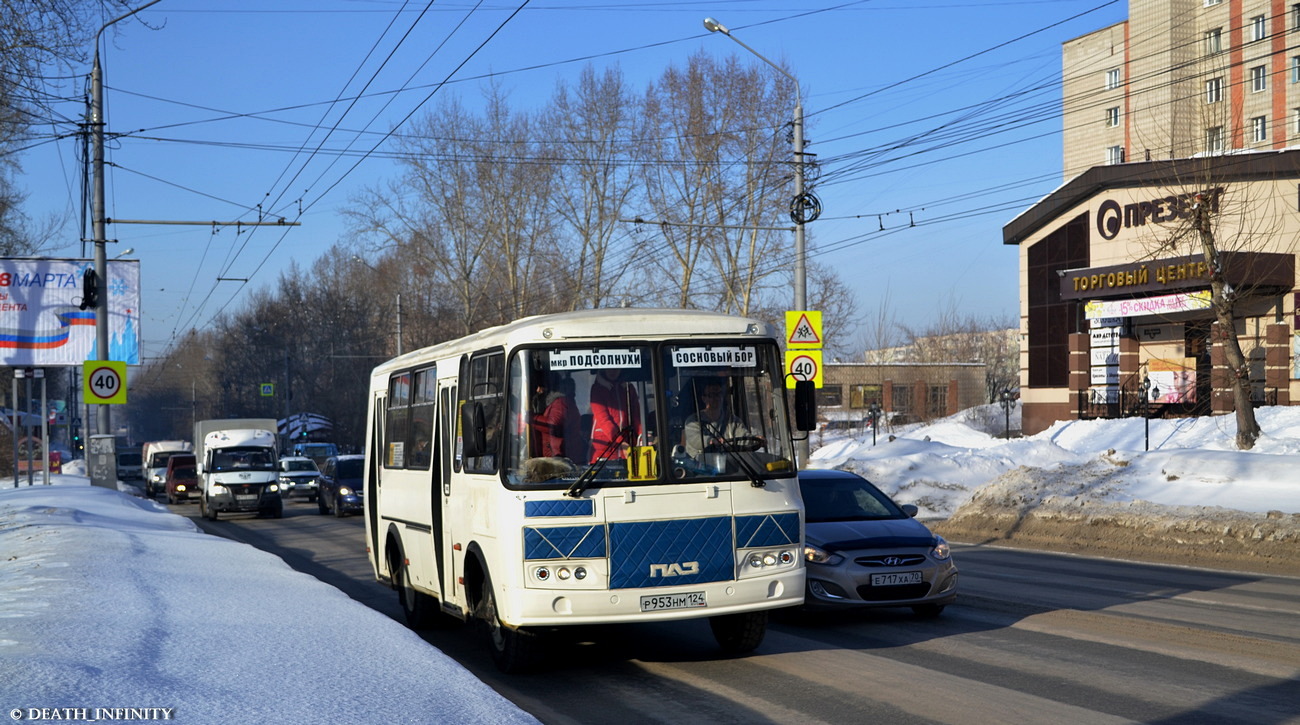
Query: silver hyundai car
[[863, 550]]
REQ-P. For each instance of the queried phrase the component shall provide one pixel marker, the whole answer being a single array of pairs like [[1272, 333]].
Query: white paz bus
[[602, 466]]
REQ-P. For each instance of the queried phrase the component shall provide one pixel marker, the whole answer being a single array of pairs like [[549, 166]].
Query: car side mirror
[[910, 509]]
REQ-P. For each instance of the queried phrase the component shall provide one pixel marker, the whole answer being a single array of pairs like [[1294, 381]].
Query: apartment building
[[1181, 78], [1187, 104]]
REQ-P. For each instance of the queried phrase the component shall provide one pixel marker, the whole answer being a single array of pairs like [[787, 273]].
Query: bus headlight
[[774, 558]]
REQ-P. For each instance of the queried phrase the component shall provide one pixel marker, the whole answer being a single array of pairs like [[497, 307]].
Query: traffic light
[[76, 441], [89, 289]]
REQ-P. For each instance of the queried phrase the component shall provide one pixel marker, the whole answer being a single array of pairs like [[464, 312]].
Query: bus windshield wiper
[[589, 475], [744, 465]]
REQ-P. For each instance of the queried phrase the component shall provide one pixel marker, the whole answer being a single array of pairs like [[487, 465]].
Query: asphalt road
[[1034, 638]]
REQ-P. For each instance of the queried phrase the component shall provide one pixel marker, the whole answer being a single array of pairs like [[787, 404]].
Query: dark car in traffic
[[339, 487], [181, 482], [864, 550]]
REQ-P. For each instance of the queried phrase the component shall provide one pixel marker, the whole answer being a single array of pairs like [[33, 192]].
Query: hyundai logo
[[892, 561]]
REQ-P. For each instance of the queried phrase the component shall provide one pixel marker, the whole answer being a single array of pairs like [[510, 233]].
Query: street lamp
[[803, 207], [873, 412], [1008, 400], [1149, 391]]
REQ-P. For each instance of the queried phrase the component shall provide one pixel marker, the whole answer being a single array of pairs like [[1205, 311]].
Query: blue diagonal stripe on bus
[[767, 530], [536, 509], [564, 542]]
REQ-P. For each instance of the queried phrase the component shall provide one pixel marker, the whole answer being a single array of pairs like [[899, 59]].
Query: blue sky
[[935, 121]]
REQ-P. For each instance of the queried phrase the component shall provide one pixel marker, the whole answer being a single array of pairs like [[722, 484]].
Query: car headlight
[[940, 550], [817, 555], [217, 489], [273, 487], [345, 491]]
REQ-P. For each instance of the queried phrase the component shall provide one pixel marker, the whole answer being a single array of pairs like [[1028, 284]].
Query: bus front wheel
[[739, 633], [419, 609], [513, 650]]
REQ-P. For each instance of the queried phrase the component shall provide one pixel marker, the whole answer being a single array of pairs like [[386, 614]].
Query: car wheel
[[928, 611], [320, 505], [513, 650], [338, 509], [739, 633], [171, 499], [278, 511]]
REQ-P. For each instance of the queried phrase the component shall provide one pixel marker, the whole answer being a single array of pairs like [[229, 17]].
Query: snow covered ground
[[110, 601], [1091, 487], [1191, 462]]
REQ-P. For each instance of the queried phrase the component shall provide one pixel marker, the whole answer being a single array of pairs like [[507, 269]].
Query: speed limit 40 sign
[[103, 382], [803, 365]]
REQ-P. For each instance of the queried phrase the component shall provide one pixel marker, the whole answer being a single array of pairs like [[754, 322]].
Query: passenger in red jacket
[[614, 407], [556, 426]]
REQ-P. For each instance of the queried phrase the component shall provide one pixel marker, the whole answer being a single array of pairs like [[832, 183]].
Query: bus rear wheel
[[739, 633], [513, 650]]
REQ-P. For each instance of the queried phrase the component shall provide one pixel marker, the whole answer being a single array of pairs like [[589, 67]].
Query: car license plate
[[892, 580], [252, 498], [660, 602]]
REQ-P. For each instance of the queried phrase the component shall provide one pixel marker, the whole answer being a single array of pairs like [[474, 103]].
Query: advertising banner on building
[[1162, 305], [1172, 381], [41, 320]]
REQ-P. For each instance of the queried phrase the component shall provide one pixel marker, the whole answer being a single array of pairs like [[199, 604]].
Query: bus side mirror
[[473, 428], [805, 405]]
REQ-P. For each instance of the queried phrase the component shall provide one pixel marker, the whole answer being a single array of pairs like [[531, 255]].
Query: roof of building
[[1218, 169]]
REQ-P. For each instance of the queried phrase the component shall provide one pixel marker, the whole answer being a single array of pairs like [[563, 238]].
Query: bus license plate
[[893, 580], [660, 602]]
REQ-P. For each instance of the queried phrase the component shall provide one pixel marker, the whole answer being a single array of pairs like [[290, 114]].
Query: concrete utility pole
[[102, 421], [804, 207]]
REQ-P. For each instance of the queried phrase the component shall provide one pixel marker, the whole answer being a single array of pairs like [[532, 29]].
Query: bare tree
[[35, 35], [1223, 299], [718, 182], [595, 126]]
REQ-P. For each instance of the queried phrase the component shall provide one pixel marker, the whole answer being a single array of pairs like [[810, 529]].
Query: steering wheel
[[739, 444]]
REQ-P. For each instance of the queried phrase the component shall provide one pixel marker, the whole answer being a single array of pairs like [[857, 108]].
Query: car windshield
[[185, 473], [297, 466], [845, 499], [242, 459], [128, 459], [350, 468]]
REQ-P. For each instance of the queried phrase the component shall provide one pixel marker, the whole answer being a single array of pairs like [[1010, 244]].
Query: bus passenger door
[[375, 461], [449, 568]]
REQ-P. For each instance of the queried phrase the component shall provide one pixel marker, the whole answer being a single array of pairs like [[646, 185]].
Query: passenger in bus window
[[713, 423], [420, 454], [615, 416], [556, 427]]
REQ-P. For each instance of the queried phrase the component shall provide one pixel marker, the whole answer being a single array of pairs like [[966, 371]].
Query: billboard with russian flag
[[41, 320]]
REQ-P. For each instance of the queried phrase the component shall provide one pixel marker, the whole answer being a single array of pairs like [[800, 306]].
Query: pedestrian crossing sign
[[803, 329]]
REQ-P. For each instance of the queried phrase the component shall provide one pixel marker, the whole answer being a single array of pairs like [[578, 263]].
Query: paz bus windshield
[[670, 412]]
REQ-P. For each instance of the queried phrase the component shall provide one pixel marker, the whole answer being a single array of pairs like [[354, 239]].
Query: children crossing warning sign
[[803, 329]]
